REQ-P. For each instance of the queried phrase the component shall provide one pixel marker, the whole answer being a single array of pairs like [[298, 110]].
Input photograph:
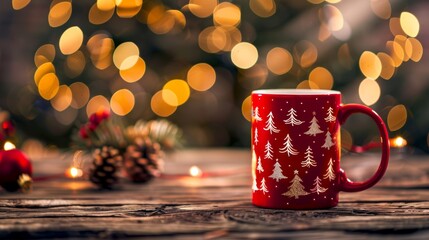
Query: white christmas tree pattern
[[288, 147], [314, 127], [309, 161], [317, 186], [268, 151], [292, 120], [256, 136], [254, 186], [329, 171], [328, 141], [269, 126], [296, 189], [277, 172], [330, 117], [256, 114], [259, 167], [263, 187]]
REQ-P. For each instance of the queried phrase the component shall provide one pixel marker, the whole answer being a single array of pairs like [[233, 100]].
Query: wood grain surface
[[217, 206]]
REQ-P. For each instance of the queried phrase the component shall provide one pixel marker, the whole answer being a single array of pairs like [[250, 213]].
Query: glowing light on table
[[398, 142], [195, 171]]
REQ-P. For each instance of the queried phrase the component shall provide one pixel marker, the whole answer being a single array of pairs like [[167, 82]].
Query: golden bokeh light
[[263, 8], [75, 64], [159, 20], [170, 97], [97, 16], [244, 55], [387, 65], [59, 13], [179, 20], [369, 91], [332, 17], [246, 108], [160, 107], [106, 5], [417, 51], [321, 78], [122, 102], [80, 93], [42, 70], [97, 104], [395, 52], [407, 49], [227, 15], [307, 85], [332, 1], [180, 88], [315, 1], [305, 53], [215, 39], [134, 73], [202, 8], [370, 65], [409, 24], [381, 8], [126, 55], [71, 40], [20, 4], [279, 61], [48, 86], [395, 26], [397, 117], [44, 54], [62, 99], [100, 47], [128, 8], [201, 77]]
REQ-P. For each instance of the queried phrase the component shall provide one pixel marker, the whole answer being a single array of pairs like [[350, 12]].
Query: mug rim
[[291, 91]]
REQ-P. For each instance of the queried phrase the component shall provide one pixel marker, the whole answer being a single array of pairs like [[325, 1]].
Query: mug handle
[[346, 184]]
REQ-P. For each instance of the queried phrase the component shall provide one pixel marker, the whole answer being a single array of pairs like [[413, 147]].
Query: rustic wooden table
[[216, 206]]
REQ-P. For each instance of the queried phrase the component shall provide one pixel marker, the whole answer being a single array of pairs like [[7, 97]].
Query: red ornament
[[15, 170]]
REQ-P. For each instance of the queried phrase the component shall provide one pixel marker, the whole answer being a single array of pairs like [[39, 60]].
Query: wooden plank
[[195, 208]]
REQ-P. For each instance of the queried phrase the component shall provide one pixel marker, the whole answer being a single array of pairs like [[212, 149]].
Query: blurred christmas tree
[[196, 62]]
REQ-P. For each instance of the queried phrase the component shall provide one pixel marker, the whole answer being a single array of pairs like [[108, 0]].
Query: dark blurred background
[[196, 62]]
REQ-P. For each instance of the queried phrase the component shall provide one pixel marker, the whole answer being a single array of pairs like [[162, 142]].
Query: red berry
[[8, 128], [83, 132]]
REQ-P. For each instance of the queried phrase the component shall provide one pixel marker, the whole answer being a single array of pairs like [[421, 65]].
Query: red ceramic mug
[[296, 148]]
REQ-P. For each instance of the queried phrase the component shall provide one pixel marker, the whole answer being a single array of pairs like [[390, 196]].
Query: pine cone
[[142, 160], [104, 170]]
